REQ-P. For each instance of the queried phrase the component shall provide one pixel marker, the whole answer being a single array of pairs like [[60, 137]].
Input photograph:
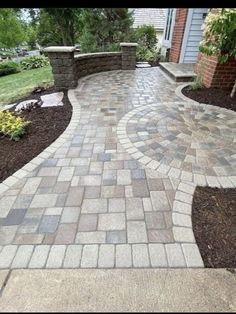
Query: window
[[168, 23]]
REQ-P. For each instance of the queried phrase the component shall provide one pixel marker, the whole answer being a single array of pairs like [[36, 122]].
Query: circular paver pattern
[[195, 138]]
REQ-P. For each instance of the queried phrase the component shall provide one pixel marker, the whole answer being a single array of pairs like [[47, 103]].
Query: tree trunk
[[233, 90]]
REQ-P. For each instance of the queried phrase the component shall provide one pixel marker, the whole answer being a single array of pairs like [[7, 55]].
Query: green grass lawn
[[15, 86]]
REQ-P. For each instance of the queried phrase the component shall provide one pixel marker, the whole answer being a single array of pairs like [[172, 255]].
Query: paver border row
[[135, 255]]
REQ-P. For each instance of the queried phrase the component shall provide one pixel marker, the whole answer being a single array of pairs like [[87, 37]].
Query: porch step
[[179, 72]]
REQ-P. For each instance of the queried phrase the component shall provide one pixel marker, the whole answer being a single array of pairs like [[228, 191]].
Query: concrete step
[[179, 72]]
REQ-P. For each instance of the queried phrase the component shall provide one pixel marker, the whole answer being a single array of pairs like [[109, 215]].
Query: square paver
[[94, 206], [159, 201], [116, 205], [88, 222], [155, 220], [44, 200], [140, 255], [49, 224], [116, 236], [66, 234], [89, 256], [74, 196], [136, 232], [15, 217], [70, 215], [140, 188], [106, 256], [111, 221], [134, 208], [123, 256]]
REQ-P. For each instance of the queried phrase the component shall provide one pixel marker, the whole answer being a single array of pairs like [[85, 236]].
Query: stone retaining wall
[[90, 63], [68, 68]]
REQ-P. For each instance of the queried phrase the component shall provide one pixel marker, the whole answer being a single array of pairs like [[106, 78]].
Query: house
[[154, 17], [183, 33]]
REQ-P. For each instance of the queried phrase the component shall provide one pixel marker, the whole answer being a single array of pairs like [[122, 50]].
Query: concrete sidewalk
[[140, 290]]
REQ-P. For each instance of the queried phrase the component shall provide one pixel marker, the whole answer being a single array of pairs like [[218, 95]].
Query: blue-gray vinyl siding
[[194, 36]]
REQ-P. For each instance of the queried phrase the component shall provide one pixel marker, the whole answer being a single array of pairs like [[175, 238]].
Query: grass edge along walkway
[[18, 85]]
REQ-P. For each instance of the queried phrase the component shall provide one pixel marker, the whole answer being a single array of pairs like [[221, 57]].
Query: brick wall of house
[[214, 74], [178, 34]]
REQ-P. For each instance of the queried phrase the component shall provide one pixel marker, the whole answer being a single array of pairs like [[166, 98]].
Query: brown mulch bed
[[47, 124], [214, 225], [212, 96]]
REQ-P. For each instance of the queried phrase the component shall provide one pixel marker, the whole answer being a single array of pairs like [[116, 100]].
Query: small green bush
[[12, 126], [34, 62], [8, 67]]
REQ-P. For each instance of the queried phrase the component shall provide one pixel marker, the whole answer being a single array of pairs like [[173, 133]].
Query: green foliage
[[197, 83], [11, 30], [148, 49], [219, 36], [8, 67], [12, 126], [34, 62], [66, 21], [48, 33], [145, 35], [104, 29], [31, 36]]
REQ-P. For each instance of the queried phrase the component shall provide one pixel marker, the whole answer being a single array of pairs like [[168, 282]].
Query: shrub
[[34, 62], [8, 67], [147, 49], [145, 36], [219, 35], [12, 126]]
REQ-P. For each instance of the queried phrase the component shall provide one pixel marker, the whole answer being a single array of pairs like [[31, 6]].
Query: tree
[[48, 33], [66, 21], [104, 29], [219, 36], [11, 30]]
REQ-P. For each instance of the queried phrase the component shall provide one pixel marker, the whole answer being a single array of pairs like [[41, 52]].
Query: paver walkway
[[115, 190]]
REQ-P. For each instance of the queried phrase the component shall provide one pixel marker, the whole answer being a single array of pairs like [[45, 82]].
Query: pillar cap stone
[[128, 44], [59, 49]]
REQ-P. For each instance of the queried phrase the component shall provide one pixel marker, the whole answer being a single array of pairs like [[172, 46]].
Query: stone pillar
[[63, 66], [128, 58]]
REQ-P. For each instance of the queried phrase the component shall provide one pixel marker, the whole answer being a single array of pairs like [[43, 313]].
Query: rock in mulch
[[26, 104], [7, 107], [52, 100]]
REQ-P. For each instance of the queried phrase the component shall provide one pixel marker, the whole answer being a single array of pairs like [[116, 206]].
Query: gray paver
[[7, 254], [91, 237], [157, 255], [89, 256], [70, 214], [136, 232], [175, 255], [192, 255], [140, 255], [106, 257], [134, 208], [73, 256], [123, 255], [39, 256], [94, 206], [56, 256], [22, 256], [44, 200], [114, 221]]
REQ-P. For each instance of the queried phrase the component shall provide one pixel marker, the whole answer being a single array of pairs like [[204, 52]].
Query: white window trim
[[167, 43]]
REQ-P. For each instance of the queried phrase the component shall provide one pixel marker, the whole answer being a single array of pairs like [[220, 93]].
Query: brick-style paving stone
[[39, 256], [116, 190]]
